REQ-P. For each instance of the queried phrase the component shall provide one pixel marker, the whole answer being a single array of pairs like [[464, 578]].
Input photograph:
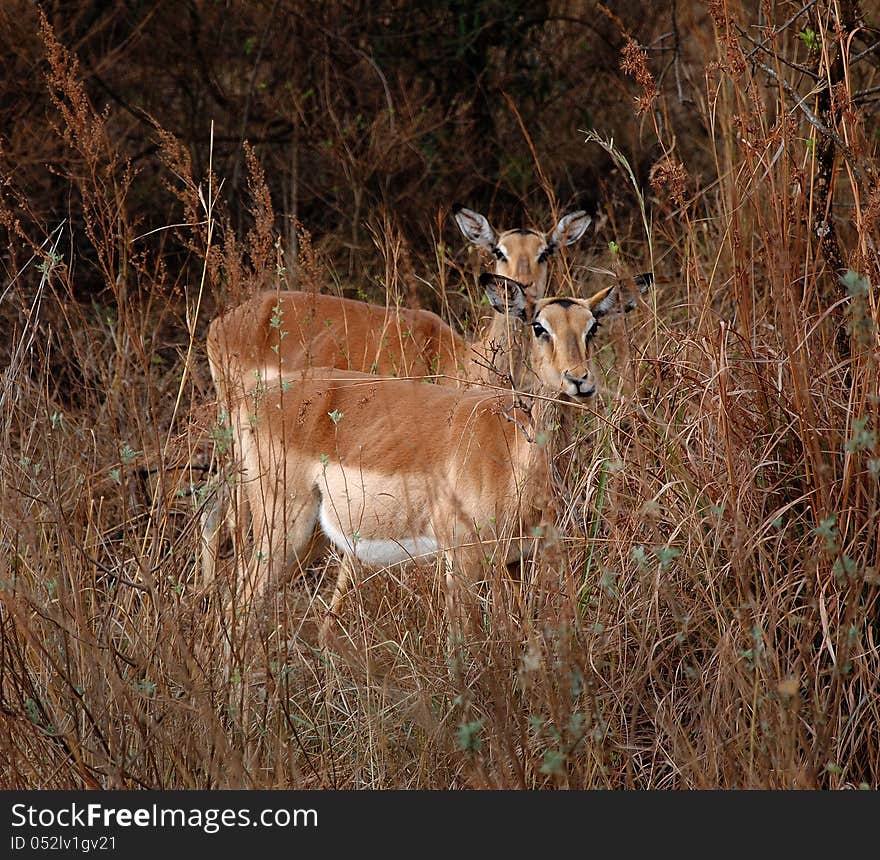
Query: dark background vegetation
[[708, 617], [360, 114]]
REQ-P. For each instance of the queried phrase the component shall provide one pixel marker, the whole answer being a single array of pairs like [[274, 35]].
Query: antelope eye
[[591, 331], [547, 252], [540, 332], [499, 254]]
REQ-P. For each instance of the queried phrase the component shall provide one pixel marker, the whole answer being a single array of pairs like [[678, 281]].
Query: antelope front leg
[[462, 571], [343, 583]]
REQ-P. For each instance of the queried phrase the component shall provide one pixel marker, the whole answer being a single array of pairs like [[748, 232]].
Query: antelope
[[521, 255], [391, 470], [276, 333]]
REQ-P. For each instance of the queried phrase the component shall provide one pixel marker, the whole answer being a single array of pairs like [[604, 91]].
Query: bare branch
[[859, 169]]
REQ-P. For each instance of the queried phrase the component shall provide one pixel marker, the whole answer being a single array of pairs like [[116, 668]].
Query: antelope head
[[562, 331], [522, 255]]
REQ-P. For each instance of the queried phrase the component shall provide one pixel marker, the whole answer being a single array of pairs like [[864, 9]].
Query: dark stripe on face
[[521, 232], [563, 303]]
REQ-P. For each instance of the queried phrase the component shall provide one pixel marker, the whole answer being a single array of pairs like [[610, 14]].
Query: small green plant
[[860, 321], [755, 654], [666, 555], [467, 736], [32, 709], [639, 556], [29, 465], [827, 530], [127, 454], [49, 263], [845, 567], [608, 583], [554, 762], [275, 321], [145, 687], [810, 38], [862, 439], [221, 435]]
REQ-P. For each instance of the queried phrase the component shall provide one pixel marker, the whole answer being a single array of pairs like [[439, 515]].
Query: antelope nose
[[579, 386]]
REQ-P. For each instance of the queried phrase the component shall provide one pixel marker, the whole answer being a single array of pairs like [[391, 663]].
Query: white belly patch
[[377, 553]]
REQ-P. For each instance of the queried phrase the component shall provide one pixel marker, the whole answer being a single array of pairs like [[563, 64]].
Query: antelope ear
[[570, 228], [603, 302], [505, 295], [475, 227], [643, 283]]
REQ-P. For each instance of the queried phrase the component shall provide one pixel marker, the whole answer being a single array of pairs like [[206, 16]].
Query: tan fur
[[522, 251], [277, 333], [392, 461]]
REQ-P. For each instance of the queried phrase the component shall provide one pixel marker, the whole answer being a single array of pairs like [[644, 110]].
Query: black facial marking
[[644, 281], [499, 254], [563, 303]]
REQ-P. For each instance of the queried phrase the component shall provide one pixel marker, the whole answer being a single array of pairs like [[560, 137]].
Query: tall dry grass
[[704, 614]]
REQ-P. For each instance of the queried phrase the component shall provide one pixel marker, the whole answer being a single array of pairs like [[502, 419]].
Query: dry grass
[[704, 616]]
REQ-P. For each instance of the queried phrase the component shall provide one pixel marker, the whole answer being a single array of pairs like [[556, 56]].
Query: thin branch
[[861, 94], [785, 26], [861, 54], [818, 124], [250, 94], [804, 70]]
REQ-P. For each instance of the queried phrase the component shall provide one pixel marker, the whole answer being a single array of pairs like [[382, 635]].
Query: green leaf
[[467, 736]]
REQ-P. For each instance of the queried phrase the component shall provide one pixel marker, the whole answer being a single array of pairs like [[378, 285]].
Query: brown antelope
[[392, 470], [521, 255], [277, 333]]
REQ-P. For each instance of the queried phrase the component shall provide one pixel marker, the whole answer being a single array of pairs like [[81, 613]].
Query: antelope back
[[277, 333]]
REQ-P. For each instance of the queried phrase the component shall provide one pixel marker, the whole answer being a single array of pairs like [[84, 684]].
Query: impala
[[391, 470], [279, 332], [521, 255]]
